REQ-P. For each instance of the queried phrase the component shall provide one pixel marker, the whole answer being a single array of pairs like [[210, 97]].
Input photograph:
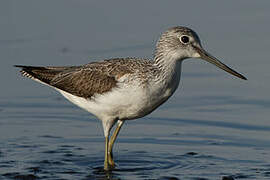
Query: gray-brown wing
[[87, 80], [82, 82]]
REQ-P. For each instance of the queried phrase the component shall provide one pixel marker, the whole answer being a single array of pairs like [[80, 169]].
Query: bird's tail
[[43, 74]]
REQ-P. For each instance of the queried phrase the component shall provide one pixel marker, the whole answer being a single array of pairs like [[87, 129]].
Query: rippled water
[[48, 138], [215, 127]]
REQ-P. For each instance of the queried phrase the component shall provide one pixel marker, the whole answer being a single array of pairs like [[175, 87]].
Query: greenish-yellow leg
[[106, 164], [111, 143]]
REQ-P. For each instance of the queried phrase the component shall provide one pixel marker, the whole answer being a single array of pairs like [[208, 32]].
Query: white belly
[[125, 103]]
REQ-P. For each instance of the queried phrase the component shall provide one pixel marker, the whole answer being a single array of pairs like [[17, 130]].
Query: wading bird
[[120, 89]]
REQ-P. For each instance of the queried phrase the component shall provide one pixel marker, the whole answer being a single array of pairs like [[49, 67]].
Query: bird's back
[[89, 79]]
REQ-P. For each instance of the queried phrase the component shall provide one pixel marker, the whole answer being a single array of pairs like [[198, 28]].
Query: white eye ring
[[184, 39]]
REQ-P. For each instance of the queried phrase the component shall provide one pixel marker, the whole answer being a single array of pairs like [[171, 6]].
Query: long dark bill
[[209, 58]]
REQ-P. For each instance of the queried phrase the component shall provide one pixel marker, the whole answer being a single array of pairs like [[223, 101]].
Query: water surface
[[214, 127]]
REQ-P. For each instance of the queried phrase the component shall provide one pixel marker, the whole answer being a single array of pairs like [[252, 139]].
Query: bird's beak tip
[[244, 78]]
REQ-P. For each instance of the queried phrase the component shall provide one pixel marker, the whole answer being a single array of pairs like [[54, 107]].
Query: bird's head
[[180, 43]]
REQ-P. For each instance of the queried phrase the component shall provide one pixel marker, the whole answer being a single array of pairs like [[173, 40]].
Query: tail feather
[[43, 74]]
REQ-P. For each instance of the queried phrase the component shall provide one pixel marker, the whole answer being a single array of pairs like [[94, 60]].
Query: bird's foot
[[109, 166]]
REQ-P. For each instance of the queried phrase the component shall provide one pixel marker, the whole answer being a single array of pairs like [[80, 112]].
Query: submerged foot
[[109, 166]]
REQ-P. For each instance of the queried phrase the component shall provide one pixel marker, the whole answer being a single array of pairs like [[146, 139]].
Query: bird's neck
[[169, 69]]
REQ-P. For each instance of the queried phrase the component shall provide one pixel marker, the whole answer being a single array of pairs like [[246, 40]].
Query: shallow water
[[214, 127], [48, 138]]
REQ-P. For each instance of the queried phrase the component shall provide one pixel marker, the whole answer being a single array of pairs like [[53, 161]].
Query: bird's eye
[[184, 39]]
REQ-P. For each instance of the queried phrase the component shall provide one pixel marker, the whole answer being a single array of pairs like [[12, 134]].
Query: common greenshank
[[120, 89]]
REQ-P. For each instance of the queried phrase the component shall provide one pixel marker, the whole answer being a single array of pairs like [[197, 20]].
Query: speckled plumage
[[93, 78], [126, 88]]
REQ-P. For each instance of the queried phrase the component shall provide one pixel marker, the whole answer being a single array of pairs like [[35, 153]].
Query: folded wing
[[79, 81]]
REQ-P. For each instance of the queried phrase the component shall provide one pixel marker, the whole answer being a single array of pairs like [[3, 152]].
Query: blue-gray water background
[[215, 126]]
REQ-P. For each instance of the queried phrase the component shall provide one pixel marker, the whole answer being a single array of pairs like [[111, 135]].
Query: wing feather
[[84, 83], [87, 80]]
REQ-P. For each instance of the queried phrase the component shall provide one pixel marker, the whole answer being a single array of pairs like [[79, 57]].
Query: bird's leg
[[106, 164], [111, 143]]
